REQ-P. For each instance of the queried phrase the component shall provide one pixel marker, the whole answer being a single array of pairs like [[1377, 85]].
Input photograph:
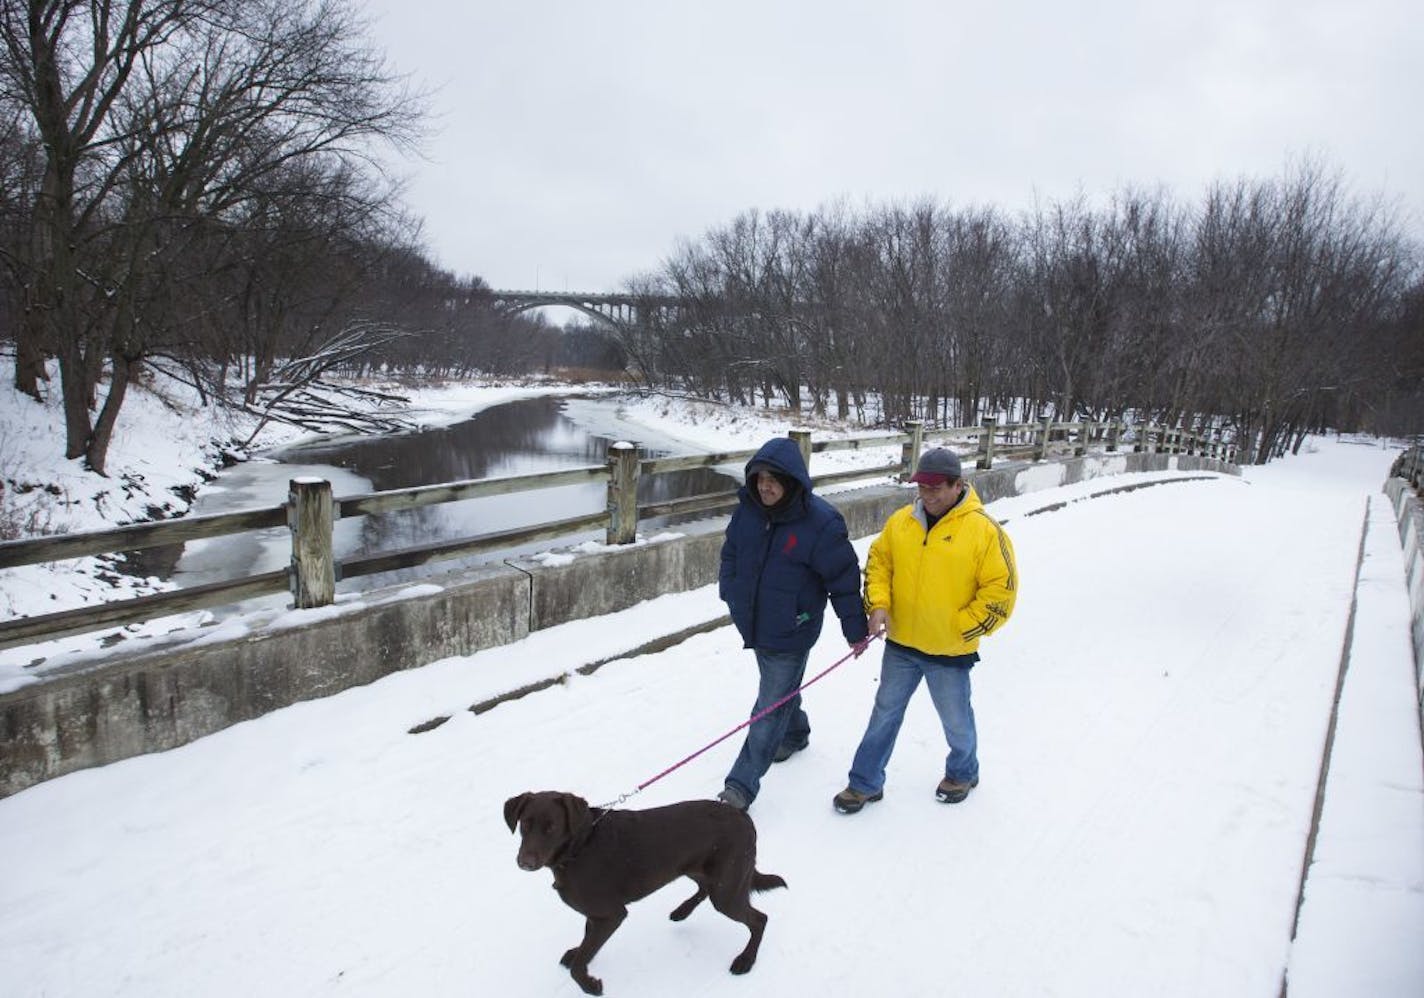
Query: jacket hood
[[781, 454], [968, 504]]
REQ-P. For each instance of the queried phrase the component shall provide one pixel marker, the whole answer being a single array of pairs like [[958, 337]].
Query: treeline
[[1268, 310], [196, 187]]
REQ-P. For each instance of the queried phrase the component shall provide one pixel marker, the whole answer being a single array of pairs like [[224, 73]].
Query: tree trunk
[[29, 356], [97, 453], [74, 387]]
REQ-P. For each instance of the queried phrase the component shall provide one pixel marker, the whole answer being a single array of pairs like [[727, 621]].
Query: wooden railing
[[310, 512]]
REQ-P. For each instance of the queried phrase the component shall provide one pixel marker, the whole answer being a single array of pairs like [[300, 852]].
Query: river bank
[[168, 448]]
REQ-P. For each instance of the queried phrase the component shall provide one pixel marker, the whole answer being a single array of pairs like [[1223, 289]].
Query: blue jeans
[[900, 672], [781, 672]]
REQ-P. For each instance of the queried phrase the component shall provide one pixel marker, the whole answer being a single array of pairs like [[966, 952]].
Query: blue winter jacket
[[778, 568]]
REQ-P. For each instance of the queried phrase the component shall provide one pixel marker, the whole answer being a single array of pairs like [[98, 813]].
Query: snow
[[1152, 722], [1363, 893], [164, 447], [154, 455]]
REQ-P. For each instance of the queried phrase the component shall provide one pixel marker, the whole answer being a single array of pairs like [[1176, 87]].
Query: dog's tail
[[765, 881]]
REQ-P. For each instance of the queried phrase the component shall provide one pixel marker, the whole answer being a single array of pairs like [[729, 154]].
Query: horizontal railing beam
[[859, 443], [836, 477], [663, 465], [688, 504], [410, 557], [418, 496], [38, 550], [26, 630]]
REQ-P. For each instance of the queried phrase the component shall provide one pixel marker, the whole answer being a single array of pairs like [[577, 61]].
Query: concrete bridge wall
[[1409, 514], [175, 690]]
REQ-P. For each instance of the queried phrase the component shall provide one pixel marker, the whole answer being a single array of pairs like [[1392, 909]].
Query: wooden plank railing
[[311, 578]]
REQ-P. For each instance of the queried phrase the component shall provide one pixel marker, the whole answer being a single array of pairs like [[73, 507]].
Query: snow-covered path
[[1151, 727]]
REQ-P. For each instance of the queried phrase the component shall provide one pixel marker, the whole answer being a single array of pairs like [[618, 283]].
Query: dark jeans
[[781, 672]]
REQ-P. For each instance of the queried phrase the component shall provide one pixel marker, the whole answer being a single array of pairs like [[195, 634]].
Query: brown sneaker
[[849, 801], [950, 792]]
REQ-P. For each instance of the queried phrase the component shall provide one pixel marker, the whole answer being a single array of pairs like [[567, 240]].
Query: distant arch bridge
[[618, 310]]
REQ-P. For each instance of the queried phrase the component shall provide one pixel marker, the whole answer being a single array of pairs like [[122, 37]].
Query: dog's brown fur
[[605, 859]]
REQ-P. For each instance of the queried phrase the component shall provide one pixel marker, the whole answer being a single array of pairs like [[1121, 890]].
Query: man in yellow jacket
[[940, 576]]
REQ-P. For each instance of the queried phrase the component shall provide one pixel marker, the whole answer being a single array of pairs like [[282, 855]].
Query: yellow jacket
[[947, 589]]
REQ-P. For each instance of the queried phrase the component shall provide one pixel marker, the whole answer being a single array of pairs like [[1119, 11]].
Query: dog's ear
[[513, 808], [576, 810]]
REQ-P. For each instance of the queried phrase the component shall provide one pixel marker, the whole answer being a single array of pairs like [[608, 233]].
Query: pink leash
[[855, 652]]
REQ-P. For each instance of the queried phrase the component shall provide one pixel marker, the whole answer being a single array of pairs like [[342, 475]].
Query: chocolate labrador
[[604, 859]]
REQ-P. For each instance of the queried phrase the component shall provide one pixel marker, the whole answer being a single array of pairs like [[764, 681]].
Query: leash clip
[[618, 801]]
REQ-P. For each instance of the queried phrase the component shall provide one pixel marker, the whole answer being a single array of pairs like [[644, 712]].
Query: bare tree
[[982, 250], [1272, 308], [156, 118]]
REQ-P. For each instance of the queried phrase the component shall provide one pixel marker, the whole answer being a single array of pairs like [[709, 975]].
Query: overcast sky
[[575, 143]]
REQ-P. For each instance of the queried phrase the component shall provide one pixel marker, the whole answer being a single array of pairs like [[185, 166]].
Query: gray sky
[[577, 142]]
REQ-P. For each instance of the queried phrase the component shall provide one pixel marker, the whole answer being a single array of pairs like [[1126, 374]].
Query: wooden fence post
[[1040, 448], [910, 452], [1085, 435], [986, 442], [803, 441], [1114, 435], [309, 517], [623, 471]]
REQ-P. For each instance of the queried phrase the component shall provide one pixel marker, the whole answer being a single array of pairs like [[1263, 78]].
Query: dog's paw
[[578, 970], [742, 964]]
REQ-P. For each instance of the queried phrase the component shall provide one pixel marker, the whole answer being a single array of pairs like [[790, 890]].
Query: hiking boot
[[849, 801], [785, 751], [734, 797], [952, 792]]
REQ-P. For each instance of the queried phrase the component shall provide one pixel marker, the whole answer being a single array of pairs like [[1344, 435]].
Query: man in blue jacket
[[786, 552]]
